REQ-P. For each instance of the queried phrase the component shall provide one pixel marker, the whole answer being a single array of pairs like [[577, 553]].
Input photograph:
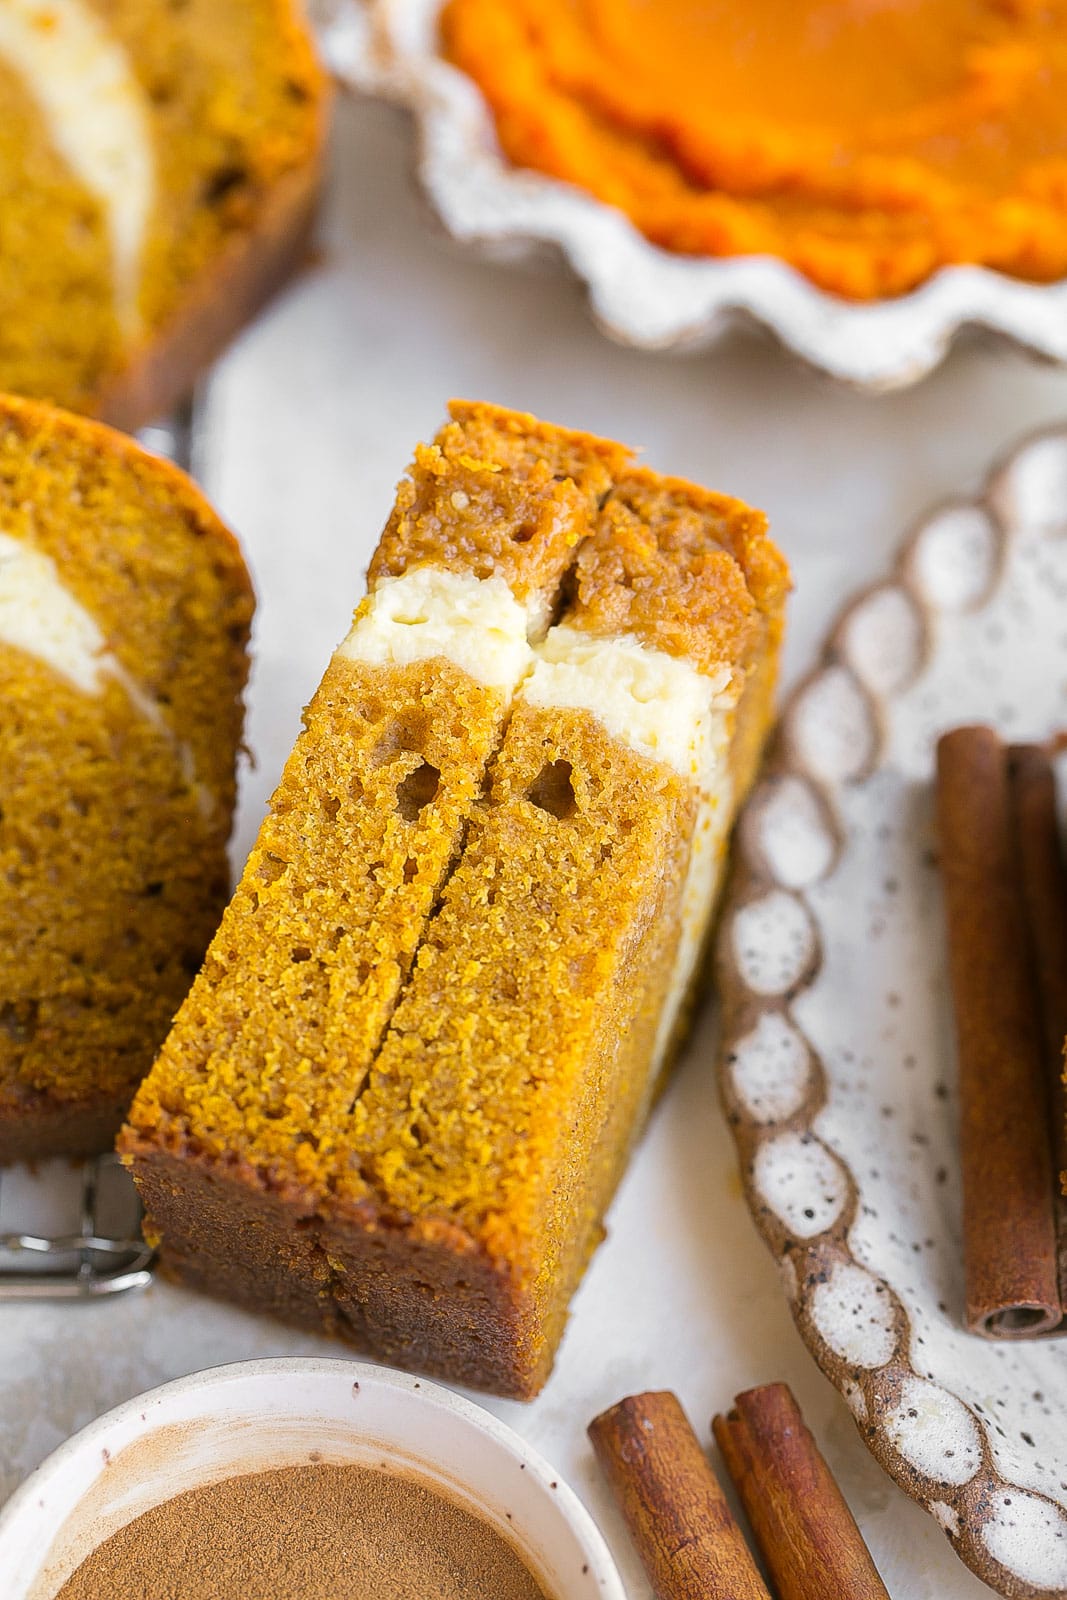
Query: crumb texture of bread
[[142, 149], [469, 939], [116, 796], [501, 494]]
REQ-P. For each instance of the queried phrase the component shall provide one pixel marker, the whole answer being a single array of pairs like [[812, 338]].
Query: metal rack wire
[[88, 1261], [93, 1246]]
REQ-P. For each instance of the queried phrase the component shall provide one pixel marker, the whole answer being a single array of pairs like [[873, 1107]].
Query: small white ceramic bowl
[[256, 1415]]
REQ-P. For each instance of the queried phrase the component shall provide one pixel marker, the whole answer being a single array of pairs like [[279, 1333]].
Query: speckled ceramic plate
[[838, 1069], [639, 294]]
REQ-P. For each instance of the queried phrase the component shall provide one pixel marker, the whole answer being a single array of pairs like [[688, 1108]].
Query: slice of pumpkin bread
[[273, 1045], [443, 1200], [549, 989], [124, 616]]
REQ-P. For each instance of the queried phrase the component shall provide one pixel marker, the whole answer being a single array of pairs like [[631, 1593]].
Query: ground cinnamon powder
[[316, 1532]]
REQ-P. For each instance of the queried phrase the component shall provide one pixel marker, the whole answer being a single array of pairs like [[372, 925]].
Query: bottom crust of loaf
[[38, 1126], [428, 1302]]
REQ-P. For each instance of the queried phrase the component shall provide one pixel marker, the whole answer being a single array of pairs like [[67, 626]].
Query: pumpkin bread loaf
[[159, 166], [431, 1186], [124, 616]]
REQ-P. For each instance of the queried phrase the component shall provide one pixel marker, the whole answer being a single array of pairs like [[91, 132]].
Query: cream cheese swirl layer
[[40, 616], [98, 119], [661, 706], [477, 623]]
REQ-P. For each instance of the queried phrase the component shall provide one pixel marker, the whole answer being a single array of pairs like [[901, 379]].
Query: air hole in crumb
[[271, 868], [411, 868], [407, 732], [299, 952], [222, 182], [18, 1019], [552, 790], [523, 533], [331, 805], [416, 791], [153, 889]]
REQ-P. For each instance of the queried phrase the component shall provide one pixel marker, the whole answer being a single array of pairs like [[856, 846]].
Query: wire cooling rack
[[90, 1241], [72, 1230]]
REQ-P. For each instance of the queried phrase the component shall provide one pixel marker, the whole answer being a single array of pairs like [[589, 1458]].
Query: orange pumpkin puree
[[868, 142]]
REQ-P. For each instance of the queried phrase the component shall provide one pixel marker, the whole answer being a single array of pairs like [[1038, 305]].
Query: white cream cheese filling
[[477, 623], [97, 116], [658, 703], [41, 617], [715, 813], [664, 708]]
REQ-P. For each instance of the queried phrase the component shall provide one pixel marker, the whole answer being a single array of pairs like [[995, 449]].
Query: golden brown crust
[[687, 571], [37, 1125], [230, 1234], [499, 493], [517, 440], [36, 419]]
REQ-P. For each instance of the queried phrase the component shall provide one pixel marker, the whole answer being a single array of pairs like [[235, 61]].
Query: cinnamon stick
[[675, 1509], [1010, 1256], [1044, 887], [806, 1533]]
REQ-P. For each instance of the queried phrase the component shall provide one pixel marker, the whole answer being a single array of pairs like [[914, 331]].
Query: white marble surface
[[311, 420]]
